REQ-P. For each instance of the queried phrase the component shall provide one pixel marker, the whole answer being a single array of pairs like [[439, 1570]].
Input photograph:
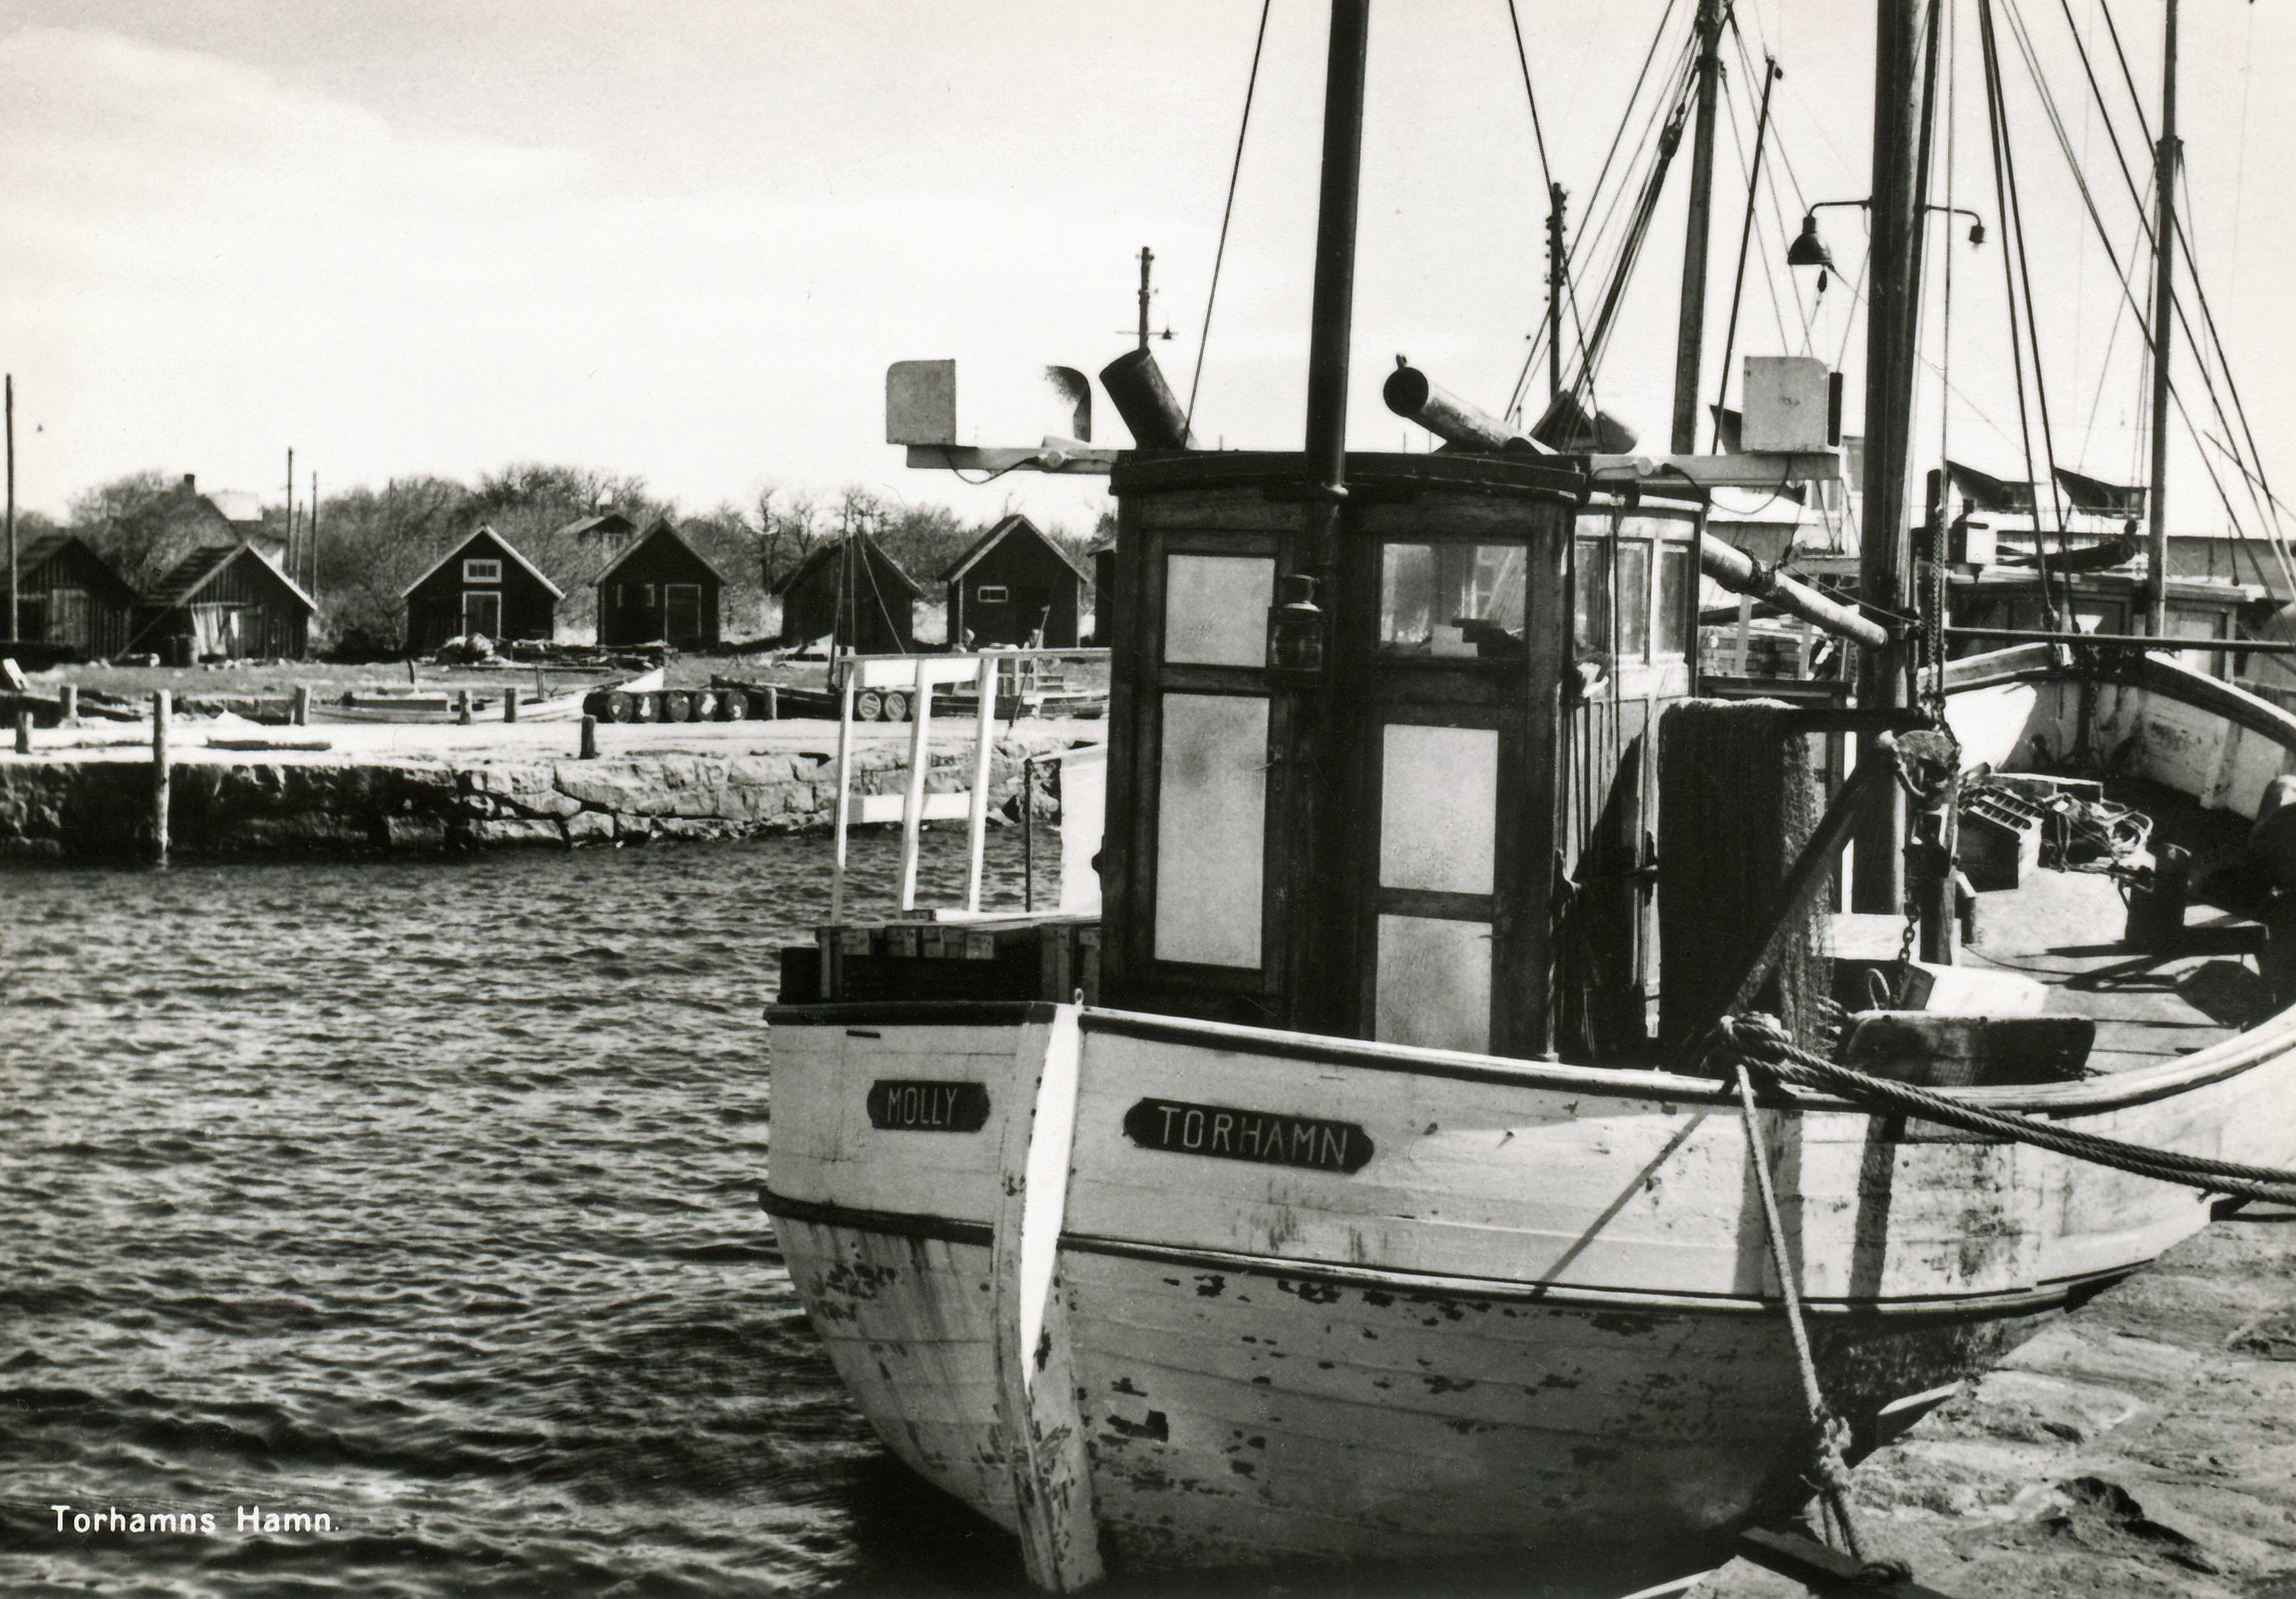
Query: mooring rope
[[1831, 1472], [1759, 1042]]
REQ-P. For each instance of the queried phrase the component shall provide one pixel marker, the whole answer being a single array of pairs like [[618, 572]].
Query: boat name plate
[[1272, 1137], [923, 1106]]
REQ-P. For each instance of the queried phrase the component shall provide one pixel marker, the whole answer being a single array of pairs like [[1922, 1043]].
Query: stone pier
[[239, 789]]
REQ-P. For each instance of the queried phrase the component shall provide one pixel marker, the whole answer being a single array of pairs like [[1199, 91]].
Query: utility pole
[[2164, 289], [1899, 116], [1692, 334], [15, 600], [1558, 266], [314, 540], [290, 562], [1146, 256]]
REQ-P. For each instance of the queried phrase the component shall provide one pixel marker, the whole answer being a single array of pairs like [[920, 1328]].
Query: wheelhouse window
[[1633, 585], [1454, 600], [482, 572]]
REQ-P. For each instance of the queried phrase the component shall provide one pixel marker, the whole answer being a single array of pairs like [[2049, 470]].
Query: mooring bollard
[[773, 703], [510, 703], [301, 713], [589, 738], [23, 732], [462, 706], [163, 704], [68, 697]]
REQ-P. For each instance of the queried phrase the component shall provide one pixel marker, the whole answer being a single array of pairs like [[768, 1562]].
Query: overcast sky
[[682, 240]]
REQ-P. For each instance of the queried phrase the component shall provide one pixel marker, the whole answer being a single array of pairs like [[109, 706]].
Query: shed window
[[482, 572], [991, 594]]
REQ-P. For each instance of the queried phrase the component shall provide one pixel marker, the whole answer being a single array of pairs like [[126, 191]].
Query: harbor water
[[424, 1196]]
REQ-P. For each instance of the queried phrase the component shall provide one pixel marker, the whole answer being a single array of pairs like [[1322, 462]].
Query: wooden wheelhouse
[[1414, 803]]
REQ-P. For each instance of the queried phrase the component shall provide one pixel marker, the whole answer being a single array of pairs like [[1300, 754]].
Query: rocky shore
[[371, 790], [2143, 1445]]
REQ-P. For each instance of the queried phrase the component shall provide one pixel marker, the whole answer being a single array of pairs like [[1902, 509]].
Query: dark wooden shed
[[1012, 586], [853, 593], [224, 601], [659, 588], [73, 599], [482, 584]]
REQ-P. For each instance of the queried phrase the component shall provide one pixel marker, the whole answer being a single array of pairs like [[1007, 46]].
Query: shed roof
[[508, 548], [996, 534], [664, 527], [45, 546], [197, 569], [820, 557], [598, 523]]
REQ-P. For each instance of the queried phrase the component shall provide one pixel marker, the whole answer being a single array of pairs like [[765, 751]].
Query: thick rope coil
[[1759, 1042]]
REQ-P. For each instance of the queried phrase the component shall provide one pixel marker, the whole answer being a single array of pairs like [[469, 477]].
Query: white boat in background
[[1327, 1196], [437, 704]]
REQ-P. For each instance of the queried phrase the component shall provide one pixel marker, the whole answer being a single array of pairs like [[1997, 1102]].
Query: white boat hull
[[1539, 1313]]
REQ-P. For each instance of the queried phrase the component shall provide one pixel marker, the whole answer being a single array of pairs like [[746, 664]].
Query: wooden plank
[[1044, 1436], [891, 807]]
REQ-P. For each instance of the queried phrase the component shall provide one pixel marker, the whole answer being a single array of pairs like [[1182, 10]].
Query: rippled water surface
[[423, 1196]]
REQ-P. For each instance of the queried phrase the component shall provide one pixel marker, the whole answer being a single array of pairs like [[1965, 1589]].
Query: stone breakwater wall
[[63, 806]]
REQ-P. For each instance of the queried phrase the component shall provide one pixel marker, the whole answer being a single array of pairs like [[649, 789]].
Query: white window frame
[[482, 572], [992, 594]]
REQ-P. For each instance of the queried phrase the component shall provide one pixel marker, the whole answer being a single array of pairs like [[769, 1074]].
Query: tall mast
[[15, 601], [2164, 289], [1691, 332], [1900, 115], [1335, 247]]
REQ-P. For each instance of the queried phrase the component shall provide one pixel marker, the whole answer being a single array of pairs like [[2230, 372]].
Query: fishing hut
[[854, 594], [72, 600], [223, 602], [1015, 586], [481, 586], [659, 588]]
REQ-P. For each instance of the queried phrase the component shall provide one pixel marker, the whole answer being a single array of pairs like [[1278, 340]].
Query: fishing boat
[[1331, 1195], [438, 705]]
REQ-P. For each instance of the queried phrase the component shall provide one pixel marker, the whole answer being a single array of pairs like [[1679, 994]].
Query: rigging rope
[[1251, 86], [1759, 1042]]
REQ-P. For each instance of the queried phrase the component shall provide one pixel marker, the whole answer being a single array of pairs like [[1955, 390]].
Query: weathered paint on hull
[[1236, 1416]]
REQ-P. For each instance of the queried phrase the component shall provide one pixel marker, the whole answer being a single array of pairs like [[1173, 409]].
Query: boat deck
[[2063, 929]]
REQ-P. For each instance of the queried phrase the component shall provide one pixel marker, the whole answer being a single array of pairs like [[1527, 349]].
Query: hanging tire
[[621, 707], [645, 707], [868, 706], [676, 705], [705, 704], [733, 705], [897, 706]]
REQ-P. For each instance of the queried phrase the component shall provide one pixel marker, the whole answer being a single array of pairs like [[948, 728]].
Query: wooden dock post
[[510, 703], [589, 738], [301, 716], [68, 697], [410, 669], [462, 706], [773, 703], [984, 724], [23, 732], [162, 706], [844, 792], [913, 813]]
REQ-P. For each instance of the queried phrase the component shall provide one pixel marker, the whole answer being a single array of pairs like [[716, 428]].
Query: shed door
[[482, 611], [68, 621], [682, 613]]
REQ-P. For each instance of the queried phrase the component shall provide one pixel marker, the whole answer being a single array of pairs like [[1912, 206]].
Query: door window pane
[[1633, 598], [1461, 600], [1216, 610], [1674, 593], [1590, 596], [1212, 805], [1434, 985], [1439, 808]]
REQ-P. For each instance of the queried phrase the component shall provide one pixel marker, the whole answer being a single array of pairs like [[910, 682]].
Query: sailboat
[[1328, 1196]]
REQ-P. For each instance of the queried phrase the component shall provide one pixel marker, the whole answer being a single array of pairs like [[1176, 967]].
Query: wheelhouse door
[[1457, 786]]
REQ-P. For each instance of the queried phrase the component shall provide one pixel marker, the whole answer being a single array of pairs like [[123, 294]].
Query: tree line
[[372, 542]]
